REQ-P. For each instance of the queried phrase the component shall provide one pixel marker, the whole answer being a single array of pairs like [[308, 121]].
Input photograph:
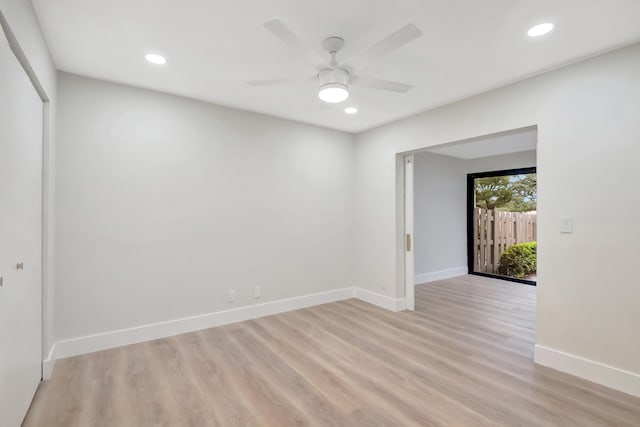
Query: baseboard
[[392, 304], [49, 363], [97, 342], [91, 343], [609, 376], [441, 275]]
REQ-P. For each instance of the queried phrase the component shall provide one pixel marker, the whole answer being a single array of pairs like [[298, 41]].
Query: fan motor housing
[[334, 76]]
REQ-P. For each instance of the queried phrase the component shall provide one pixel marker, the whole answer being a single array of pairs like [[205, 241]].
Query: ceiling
[[214, 46], [491, 145]]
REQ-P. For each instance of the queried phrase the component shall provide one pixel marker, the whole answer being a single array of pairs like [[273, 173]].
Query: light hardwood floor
[[463, 358]]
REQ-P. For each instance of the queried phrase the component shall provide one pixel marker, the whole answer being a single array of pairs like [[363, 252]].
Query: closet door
[[21, 135]]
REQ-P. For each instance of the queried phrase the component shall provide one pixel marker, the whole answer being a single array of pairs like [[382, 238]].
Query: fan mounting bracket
[[333, 44]]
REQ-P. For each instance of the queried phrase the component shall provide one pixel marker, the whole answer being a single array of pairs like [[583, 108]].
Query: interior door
[[409, 257], [21, 135]]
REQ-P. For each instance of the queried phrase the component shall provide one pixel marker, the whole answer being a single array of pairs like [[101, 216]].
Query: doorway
[[432, 206], [502, 224]]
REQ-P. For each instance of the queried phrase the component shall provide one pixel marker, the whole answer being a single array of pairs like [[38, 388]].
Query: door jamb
[[409, 231]]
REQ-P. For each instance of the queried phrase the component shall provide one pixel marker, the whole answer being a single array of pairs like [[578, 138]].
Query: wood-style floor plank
[[463, 358]]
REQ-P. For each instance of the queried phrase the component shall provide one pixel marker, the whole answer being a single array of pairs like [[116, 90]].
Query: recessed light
[[540, 29], [156, 59], [351, 110]]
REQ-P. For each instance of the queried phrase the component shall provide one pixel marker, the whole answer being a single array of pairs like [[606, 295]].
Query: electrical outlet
[[231, 295], [257, 293]]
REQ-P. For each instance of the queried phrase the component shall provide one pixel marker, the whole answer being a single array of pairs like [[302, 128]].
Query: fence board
[[495, 231]]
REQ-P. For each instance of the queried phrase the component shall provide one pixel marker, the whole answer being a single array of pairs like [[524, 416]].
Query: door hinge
[[408, 239]]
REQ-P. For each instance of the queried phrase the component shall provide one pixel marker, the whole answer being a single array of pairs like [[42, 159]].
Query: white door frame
[[47, 195], [409, 241], [405, 220], [21, 296]]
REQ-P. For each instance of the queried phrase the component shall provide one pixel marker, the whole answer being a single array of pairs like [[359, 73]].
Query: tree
[[493, 192], [519, 205], [514, 193], [526, 186]]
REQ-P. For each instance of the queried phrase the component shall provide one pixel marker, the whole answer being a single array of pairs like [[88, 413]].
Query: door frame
[[404, 284], [409, 240], [48, 202], [470, 223]]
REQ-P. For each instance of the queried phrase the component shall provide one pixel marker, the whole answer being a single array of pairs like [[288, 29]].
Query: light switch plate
[[566, 224]]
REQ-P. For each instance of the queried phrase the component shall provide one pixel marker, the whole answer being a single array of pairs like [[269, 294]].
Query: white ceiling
[[214, 46], [492, 145]]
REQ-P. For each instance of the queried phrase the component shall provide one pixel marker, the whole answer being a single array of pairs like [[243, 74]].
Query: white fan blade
[[272, 82], [282, 32], [385, 46], [374, 83]]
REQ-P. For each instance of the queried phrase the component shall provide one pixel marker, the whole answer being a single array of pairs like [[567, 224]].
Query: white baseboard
[[122, 337], [103, 341], [392, 304], [441, 275], [49, 363], [609, 376]]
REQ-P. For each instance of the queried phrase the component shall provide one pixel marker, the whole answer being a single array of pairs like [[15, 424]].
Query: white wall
[[24, 25], [165, 203], [523, 159], [441, 209], [588, 132]]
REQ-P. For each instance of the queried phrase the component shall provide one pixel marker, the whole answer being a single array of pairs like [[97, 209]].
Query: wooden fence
[[495, 231]]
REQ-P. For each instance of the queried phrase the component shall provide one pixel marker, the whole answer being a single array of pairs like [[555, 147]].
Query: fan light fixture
[[333, 85], [333, 93]]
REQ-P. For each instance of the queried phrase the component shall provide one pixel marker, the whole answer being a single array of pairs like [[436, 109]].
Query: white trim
[[392, 304], [103, 341], [91, 343], [49, 363], [409, 235], [597, 372], [609, 376], [441, 275]]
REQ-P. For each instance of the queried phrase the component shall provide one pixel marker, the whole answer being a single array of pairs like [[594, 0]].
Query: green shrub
[[518, 260]]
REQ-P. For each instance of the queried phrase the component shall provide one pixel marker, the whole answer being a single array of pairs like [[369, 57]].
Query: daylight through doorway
[[502, 224]]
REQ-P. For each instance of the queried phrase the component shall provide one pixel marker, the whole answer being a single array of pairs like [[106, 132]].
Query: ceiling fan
[[334, 78]]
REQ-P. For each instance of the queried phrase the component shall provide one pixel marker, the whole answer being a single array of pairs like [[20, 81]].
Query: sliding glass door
[[502, 224]]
